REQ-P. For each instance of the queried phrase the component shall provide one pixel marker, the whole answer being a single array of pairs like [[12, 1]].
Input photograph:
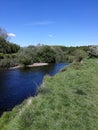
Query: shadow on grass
[[80, 92], [43, 90]]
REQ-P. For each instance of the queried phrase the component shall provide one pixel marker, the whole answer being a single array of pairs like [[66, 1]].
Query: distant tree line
[[52, 54], [12, 54]]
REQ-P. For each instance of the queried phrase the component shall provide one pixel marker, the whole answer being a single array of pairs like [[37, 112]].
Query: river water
[[19, 84]]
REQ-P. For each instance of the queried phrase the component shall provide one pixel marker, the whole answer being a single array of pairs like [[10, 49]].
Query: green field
[[67, 101]]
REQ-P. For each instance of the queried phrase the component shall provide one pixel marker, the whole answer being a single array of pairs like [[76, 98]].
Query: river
[[19, 84]]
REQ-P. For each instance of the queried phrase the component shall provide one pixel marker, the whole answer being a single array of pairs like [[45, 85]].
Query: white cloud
[[40, 23], [11, 35], [50, 35]]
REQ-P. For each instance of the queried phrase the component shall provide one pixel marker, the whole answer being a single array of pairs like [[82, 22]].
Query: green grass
[[67, 101]]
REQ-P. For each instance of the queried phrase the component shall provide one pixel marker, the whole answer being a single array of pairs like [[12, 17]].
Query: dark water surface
[[18, 84]]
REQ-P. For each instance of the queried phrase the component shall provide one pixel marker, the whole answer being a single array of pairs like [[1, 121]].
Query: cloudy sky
[[52, 22]]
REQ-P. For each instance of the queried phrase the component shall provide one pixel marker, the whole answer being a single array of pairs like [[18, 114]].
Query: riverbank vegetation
[[67, 101], [12, 54], [8, 51]]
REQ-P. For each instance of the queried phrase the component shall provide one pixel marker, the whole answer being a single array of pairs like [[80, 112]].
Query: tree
[[25, 56], [3, 34], [46, 54], [5, 45], [80, 54]]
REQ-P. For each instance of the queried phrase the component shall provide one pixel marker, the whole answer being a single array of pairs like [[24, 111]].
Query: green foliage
[[80, 55], [69, 58], [52, 54], [1, 56], [59, 53], [67, 101], [93, 52], [8, 60], [39, 53], [25, 56], [36, 54], [47, 54], [7, 47]]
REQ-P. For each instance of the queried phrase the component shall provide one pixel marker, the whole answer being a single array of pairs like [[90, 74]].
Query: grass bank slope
[[67, 101]]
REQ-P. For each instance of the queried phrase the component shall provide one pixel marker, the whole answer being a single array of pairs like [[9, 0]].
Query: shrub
[[93, 52]]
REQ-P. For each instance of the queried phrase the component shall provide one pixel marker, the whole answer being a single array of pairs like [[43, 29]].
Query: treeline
[[52, 54], [12, 54], [44, 53]]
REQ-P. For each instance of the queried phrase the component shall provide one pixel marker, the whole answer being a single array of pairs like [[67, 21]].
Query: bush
[[47, 54], [8, 62], [1, 56], [93, 51], [25, 56]]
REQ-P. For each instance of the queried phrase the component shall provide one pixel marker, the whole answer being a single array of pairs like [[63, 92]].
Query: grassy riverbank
[[67, 101]]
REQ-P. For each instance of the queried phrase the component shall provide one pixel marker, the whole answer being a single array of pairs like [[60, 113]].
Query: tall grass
[[67, 101]]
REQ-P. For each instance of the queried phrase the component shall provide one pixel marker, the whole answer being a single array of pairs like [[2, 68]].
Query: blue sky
[[51, 22]]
